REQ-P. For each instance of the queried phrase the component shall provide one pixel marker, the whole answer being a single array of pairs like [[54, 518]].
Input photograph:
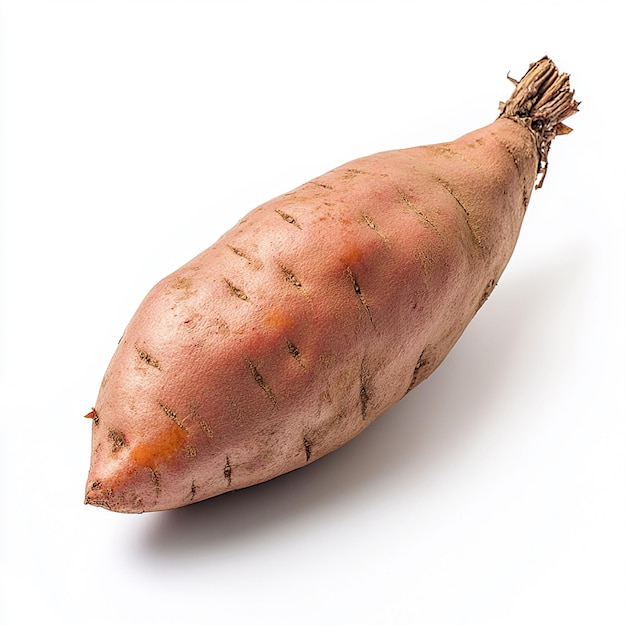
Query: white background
[[133, 134]]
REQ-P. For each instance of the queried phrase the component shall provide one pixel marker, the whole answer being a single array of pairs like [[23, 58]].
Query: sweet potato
[[317, 312]]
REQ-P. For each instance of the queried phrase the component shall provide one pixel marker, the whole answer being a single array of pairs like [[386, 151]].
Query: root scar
[[368, 220], [228, 472], [307, 449], [409, 204], [147, 358], [258, 379], [172, 415], [360, 294], [288, 218], [364, 396], [236, 291], [466, 213], [293, 280], [295, 353]]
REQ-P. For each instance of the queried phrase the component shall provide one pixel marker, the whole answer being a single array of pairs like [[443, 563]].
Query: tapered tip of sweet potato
[[98, 494], [120, 488], [134, 468]]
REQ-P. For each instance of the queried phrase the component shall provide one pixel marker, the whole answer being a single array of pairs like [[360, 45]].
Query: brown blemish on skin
[[360, 294], [156, 481], [295, 353], [364, 399], [117, 439], [351, 172], [324, 185], [368, 220], [288, 218], [258, 379], [364, 396], [104, 501], [192, 491], [291, 277], [206, 429], [307, 449], [172, 415], [228, 472], [183, 287], [183, 282], [147, 358], [239, 252], [293, 280], [236, 291], [255, 264]]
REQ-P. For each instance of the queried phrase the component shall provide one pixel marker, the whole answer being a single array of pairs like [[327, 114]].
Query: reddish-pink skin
[[306, 321]]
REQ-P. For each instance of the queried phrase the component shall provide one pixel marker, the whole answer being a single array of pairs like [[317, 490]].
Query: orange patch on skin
[[352, 255], [148, 454], [278, 321]]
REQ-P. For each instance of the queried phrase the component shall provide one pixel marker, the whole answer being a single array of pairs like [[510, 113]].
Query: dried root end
[[541, 100]]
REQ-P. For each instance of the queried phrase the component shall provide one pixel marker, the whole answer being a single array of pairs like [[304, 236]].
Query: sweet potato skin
[[307, 320]]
